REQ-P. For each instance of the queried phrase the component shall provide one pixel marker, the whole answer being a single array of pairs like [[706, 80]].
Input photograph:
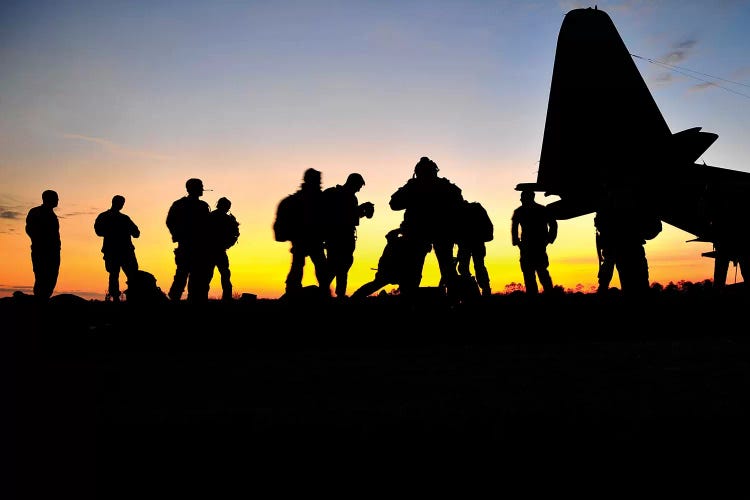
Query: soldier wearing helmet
[[187, 222], [342, 215], [223, 232], [432, 206]]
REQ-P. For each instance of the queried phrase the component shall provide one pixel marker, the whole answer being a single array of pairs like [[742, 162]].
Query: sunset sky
[[104, 97]]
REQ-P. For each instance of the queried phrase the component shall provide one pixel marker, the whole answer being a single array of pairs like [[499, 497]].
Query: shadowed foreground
[[111, 395]]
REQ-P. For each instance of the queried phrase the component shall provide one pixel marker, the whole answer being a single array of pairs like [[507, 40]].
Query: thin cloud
[[10, 214], [681, 52], [700, 87], [113, 147], [68, 215]]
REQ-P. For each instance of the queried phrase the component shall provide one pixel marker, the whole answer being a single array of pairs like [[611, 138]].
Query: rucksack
[[479, 221], [288, 216], [232, 233], [142, 289]]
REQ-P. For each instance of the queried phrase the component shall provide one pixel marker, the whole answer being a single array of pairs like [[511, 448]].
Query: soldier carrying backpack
[[223, 231], [475, 230]]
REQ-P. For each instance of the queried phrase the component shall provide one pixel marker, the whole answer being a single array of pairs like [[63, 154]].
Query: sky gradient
[[133, 98]]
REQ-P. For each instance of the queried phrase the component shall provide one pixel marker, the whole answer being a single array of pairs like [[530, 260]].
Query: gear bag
[[288, 218]]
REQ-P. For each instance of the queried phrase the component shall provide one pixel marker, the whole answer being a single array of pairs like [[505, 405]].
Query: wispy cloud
[[10, 214], [113, 147], [68, 215], [680, 52], [699, 87]]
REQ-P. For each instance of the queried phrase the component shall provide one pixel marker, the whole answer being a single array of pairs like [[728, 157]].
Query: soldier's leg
[[633, 269], [112, 265], [721, 267], [180, 275], [368, 289], [480, 269], [336, 263], [199, 278], [46, 266], [414, 254], [529, 273], [226, 277], [322, 269], [444, 255], [606, 270], [482, 275], [294, 278], [542, 265], [345, 263], [463, 260]]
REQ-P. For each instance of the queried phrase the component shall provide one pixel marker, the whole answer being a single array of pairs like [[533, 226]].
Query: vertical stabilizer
[[602, 124]]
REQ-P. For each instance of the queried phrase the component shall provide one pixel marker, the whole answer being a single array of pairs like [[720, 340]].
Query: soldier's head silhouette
[[50, 198], [223, 204], [312, 178], [355, 181], [194, 187], [425, 169], [118, 201], [527, 196]]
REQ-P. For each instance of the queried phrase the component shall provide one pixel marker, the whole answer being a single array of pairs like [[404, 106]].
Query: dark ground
[[108, 396]]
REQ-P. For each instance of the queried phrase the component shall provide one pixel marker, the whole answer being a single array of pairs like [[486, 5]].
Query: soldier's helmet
[[223, 204], [425, 168], [311, 176]]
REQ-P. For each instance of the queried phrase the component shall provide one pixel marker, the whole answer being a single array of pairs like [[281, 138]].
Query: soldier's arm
[[552, 234], [400, 199], [134, 231]]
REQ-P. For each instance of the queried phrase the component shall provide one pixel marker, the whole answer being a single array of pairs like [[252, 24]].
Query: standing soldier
[[223, 233], [342, 214], [119, 252], [300, 221], [43, 228], [186, 220], [625, 222], [475, 230], [532, 229], [432, 208]]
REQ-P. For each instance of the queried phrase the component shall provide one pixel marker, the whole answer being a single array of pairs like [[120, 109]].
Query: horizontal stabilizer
[[690, 144]]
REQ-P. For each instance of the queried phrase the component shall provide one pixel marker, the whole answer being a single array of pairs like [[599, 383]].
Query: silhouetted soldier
[[342, 214], [392, 266], [532, 229], [119, 252], [624, 224], [307, 237], [223, 231], [187, 219], [474, 231], [730, 236], [432, 207], [43, 228]]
